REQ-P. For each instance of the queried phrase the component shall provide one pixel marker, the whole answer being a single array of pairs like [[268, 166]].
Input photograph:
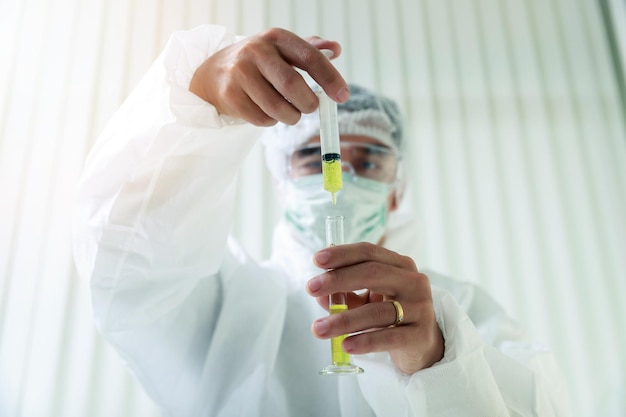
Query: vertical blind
[[516, 141]]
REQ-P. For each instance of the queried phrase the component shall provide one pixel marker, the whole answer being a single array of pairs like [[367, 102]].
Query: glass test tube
[[340, 359], [330, 147]]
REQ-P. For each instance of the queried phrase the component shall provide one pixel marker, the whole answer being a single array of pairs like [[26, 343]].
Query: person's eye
[[368, 165], [306, 166], [314, 165]]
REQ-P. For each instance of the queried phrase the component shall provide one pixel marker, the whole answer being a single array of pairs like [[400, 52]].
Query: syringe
[[331, 150]]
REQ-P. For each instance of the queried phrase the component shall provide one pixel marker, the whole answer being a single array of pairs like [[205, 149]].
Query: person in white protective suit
[[209, 331]]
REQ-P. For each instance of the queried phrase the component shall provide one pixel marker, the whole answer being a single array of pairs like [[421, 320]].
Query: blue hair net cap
[[374, 113], [365, 113]]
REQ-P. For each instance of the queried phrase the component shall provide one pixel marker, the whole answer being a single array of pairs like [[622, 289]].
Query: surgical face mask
[[363, 203]]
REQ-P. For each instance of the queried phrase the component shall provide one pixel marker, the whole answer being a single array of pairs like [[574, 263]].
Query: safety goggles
[[375, 162]]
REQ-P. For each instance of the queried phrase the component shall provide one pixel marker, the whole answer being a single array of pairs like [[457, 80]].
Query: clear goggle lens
[[375, 162]]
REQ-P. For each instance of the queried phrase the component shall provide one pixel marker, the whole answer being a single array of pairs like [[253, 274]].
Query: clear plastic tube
[[340, 359], [330, 146]]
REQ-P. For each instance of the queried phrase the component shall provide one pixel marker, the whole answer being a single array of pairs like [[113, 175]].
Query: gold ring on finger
[[399, 313]]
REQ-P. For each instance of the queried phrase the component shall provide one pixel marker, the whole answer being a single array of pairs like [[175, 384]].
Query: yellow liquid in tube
[[331, 172], [339, 356]]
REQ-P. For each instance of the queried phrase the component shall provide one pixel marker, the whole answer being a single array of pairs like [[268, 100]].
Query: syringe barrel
[[330, 147], [329, 132]]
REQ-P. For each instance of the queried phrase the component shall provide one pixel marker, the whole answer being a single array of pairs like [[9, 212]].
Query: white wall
[[515, 127]]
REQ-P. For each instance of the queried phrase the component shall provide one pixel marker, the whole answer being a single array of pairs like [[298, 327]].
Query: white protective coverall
[[207, 330]]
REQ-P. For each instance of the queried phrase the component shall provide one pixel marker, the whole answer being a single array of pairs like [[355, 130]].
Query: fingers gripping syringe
[[329, 141], [337, 303]]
